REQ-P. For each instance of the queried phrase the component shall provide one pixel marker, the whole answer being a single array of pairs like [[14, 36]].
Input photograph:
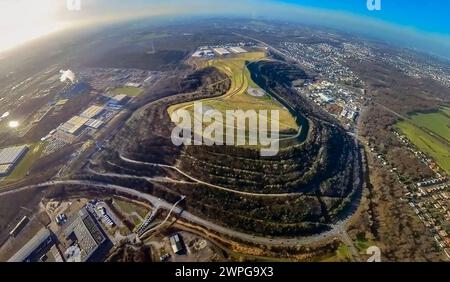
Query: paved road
[[273, 49], [166, 219], [345, 238], [334, 232]]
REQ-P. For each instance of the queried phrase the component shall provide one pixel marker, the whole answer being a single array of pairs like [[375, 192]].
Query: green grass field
[[129, 91], [362, 244], [153, 35], [343, 252], [128, 207], [430, 133], [238, 98], [438, 123]]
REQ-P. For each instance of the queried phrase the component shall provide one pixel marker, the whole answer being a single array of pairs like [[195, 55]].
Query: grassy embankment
[[238, 98]]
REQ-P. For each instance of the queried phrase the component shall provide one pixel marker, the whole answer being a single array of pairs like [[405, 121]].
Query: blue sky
[[432, 16], [419, 24], [426, 15]]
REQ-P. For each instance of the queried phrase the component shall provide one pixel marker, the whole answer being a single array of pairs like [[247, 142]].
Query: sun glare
[[13, 124], [24, 20]]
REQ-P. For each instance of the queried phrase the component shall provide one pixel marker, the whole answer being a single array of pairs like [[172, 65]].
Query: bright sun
[[23, 20], [13, 124]]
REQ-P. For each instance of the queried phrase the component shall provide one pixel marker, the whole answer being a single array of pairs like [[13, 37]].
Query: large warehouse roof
[[87, 232], [237, 50], [221, 51], [92, 111], [12, 154], [5, 168], [94, 123], [74, 124], [31, 246]]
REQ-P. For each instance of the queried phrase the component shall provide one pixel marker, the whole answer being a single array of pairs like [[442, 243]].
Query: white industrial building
[[84, 236], [10, 157], [176, 244], [33, 247], [74, 125], [221, 51], [237, 50], [92, 112], [118, 100], [94, 123], [203, 54], [133, 84]]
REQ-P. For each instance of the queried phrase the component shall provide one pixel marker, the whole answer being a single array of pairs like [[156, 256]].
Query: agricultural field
[[129, 91], [430, 132], [438, 122], [244, 94]]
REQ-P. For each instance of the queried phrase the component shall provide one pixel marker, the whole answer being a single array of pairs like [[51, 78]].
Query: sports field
[[238, 97], [431, 133], [129, 91]]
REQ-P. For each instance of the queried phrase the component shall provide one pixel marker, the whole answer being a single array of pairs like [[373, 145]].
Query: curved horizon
[[332, 14]]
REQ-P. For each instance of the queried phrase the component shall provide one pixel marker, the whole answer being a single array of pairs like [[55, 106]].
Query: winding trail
[[209, 184], [198, 181]]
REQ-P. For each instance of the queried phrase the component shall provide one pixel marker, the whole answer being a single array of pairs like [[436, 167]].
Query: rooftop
[[221, 51], [31, 246], [87, 233], [5, 168], [92, 111], [237, 50], [94, 123], [12, 154], [74, 124], [120, 97]]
